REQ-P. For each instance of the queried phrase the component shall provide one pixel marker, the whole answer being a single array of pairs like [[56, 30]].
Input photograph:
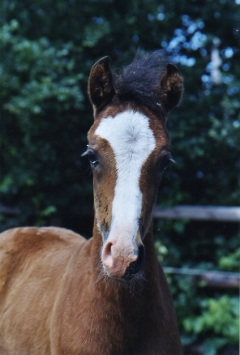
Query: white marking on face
[[132, 141]]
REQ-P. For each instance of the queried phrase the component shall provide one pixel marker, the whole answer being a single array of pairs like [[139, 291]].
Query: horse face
[[126, 150]]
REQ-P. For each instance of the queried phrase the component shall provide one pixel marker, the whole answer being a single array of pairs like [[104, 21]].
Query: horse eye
[[92, 157], [93, 160], [165, 162]]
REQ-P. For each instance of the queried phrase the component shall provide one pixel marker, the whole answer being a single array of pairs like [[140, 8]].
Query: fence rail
[[211, 278], [9, 210], [202, 213]]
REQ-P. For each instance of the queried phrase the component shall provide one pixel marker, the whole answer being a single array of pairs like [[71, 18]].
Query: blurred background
[[47, 49]]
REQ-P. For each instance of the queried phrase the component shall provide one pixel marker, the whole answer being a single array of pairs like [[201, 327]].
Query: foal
[[63, 295]]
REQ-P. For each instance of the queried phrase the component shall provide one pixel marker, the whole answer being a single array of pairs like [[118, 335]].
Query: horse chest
[[105, 326]]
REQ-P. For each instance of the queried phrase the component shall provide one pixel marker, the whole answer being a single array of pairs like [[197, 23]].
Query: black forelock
[[140, 80]]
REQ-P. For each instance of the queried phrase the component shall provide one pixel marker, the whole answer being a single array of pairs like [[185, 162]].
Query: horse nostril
[[107, 255], [141, 257], [135, 266]]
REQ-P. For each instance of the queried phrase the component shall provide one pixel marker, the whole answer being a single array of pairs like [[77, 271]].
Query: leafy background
[[47, 50]]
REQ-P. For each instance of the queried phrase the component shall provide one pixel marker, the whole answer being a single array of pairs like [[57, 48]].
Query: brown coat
[[53, 301]]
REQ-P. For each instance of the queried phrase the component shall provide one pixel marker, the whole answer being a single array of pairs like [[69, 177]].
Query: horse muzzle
[[122, 260]]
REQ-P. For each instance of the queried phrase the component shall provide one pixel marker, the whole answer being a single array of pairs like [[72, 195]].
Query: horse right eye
[[92, 157]]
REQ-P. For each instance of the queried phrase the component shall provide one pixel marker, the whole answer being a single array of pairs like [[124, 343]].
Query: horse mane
[[140, 80]]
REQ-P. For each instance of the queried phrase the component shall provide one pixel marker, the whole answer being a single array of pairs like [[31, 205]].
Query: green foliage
[[41, 97], [47, 50], [220, 317], [230, 261], [37, 72]]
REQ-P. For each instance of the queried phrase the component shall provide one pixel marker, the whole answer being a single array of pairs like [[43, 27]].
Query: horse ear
[[171, 88], [100, 83]]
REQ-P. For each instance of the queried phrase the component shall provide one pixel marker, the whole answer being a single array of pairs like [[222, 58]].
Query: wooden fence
[[201, 213], [213, 278]]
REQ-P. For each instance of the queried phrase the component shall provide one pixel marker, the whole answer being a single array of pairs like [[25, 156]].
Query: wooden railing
[[9, 210], [212, 278], [203, 213]]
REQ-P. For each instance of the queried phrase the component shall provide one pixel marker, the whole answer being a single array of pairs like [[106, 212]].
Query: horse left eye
[[165, 162]]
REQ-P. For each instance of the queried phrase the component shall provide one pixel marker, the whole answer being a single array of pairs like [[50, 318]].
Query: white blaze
[[132, 141]]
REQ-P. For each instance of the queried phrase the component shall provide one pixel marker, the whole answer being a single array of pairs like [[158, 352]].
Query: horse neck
[[129, 301]]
